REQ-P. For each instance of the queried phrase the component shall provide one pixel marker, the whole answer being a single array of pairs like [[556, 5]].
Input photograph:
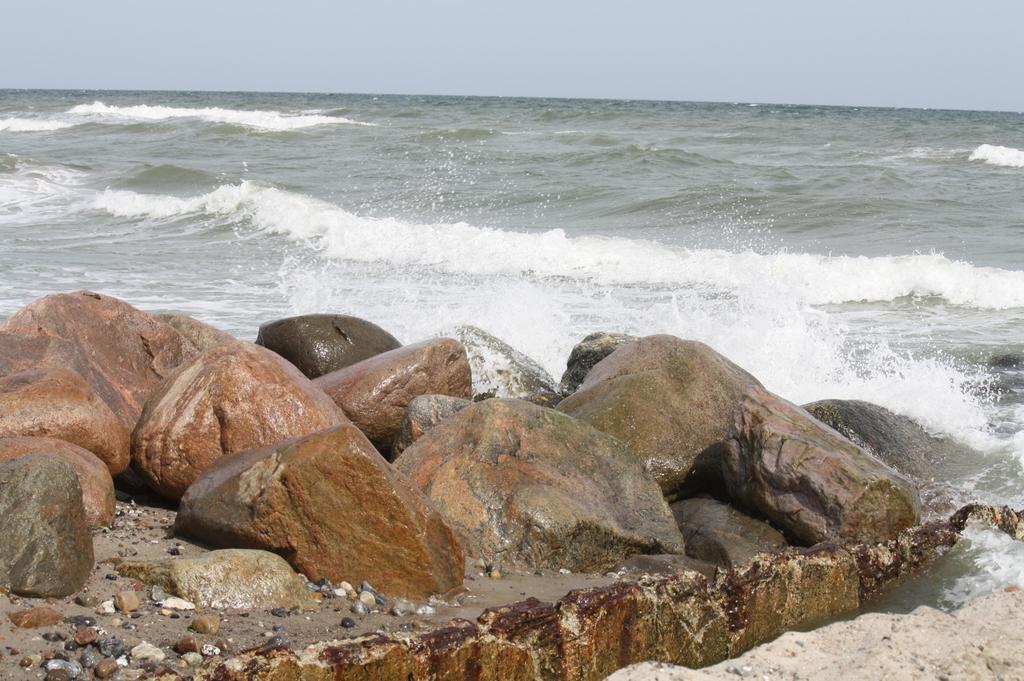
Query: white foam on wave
[[257, 120], [32, 124], [998, 562], [36, 189], [999, 156]]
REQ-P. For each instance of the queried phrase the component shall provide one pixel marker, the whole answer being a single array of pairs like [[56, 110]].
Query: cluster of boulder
[[356, 458]]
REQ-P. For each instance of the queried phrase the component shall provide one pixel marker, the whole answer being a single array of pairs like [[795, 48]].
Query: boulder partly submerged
[[93, 475], [526, 485], [671, 401], [809, 481], [375, 392], [121, 352], [321, 343], [229, 578], [58, 403], [230, 399], [45, 544], [332, 507], [499, 370]]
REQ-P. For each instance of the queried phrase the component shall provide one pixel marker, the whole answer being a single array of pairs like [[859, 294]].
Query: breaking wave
[[999, 156]]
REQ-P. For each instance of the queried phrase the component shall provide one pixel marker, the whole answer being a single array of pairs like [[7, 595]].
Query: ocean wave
[[807, 278], [258, 120], [999, 156], [32, 124]]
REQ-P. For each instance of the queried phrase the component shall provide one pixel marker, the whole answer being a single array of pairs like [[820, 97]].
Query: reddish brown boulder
[[58, 403], [810, 481], [33, 618], [375, 392], [330, 505], [524, 484], [230, 399], [122, 352], [672, 401], [93, 475]]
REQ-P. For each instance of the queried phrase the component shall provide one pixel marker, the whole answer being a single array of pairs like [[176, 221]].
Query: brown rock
[[671, 401], [333, 507], [186, 645], [93, 474], [126, 601], [422, 414], [85, 635], [104, 669], [58, 403], [720, 534], [230, 399], [321, 343], [121, 352], [206, 624], [33, 618], [375, 392], [202, 336], [810, 481], [526, 484]]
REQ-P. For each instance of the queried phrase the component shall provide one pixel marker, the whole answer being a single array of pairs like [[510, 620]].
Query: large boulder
[[375, 392], [332, 507], [230, 399], [230, 578], [201, 335], [810, 481], [527, 485], [121, 352], [720, 534], [321, 343], [45, 544], [422, 414], [499, 370], [586, 354], [672, 402], [93, 475], [58, 403]]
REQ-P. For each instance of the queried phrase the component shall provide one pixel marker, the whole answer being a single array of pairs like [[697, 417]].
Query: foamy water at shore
[[834, 253]]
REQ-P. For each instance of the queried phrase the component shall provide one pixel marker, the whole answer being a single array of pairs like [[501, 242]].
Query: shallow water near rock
[[832, 252]]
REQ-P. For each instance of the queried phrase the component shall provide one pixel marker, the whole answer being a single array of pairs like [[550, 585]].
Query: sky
[[912, 53]]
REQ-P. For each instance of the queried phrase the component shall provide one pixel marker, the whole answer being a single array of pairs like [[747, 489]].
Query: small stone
[[126, 601], [53, 637], [176, 603], [192, 659], [564, 571], [164, 612], [279, 612], [340, 593], [494, 574], [348, 622], [26, 662], [359, 608], [104, 669], [87, 659], [69, 667], [147, 651], [111, 647], [206, 624], [186, 645], [105, 608], [402, 607], [367, 599], [157, 594], [87, 600], [34, 618], [346, 587], [85, 635], [426, 610], [58, 675], [209, 650], [1011, 588], [81, 620]]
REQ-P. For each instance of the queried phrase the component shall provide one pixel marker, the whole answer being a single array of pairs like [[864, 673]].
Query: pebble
[[494, 574], [27, 662], [81, 620], [564, 571], [53, 637], [366, 588], [105, 608], [111, 647], [87, 600], [71, 668], [348, 622], [367, 599], [346, 587], [209, 650], [186, 645], [426, 610], [87, 659], [192, 659], [206, 624], [359, 608], [58, 675], [279, 612], [402, 607], [175, 603], [35, 617], [147, 651], [104, 669], [157, 594], [126, 601]]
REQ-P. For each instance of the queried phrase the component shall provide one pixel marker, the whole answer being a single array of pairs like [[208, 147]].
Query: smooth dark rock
[[46, 548], [586, 354], [722, 535], [321, 343]]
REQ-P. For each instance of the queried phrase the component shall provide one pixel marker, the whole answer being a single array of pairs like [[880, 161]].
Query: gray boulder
[[321, 343], [422, 414], [717, 533], [45, 545], [586, 354], [499, 370]]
